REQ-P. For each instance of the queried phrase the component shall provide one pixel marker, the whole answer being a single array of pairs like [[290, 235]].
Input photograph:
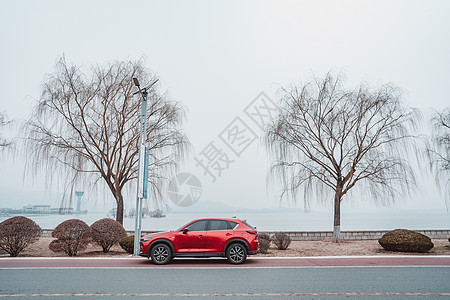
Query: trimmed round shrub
[[264, 242], [127, 244], [56, 246], [17, 233], [404, 240], [72, 236], [281, 240], [107, 232]]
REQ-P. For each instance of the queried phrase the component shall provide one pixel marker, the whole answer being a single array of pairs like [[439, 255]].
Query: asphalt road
[[253, 262], [189, 281]]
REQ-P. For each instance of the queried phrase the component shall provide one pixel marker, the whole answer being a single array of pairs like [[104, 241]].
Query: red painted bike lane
[[295, 262]]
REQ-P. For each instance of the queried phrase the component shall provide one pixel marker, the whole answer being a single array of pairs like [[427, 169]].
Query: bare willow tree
[[86, 125], [438, 151], [328, 140]]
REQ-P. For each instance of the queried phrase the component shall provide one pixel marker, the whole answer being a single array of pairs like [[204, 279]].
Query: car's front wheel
[[161, 254], [236, 253]]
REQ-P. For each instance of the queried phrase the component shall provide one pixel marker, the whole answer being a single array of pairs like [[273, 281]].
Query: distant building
[[40, 209], [37, 209]]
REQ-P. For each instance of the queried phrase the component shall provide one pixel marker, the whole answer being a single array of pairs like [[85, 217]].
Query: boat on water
[[157, 214]]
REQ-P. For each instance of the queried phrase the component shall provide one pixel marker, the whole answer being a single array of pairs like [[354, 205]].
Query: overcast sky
[[216, 57]]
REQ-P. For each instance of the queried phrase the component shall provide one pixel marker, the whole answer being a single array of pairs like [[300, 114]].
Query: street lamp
[[143, 165]]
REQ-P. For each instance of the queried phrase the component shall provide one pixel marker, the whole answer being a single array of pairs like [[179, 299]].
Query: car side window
[[232, 225], [197, 226], [218, 225]]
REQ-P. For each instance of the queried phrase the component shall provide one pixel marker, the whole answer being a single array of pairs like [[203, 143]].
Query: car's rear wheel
[[236, 253], [161, 254]]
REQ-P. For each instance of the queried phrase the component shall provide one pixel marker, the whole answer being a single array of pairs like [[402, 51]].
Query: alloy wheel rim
[[161, 254], [237, 253]]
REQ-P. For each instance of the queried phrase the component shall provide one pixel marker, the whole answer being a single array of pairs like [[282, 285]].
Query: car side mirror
[[185, 230]]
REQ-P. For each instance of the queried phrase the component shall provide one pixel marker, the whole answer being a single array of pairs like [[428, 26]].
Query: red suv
[[230, 238]]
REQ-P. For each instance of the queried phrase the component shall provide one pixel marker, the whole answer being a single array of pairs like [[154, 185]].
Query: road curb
[[250, 258]]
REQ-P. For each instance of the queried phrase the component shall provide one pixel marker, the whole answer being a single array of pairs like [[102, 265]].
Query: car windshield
[[181, 228]]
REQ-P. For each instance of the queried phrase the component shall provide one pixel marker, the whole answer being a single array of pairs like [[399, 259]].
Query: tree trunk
[[119, 213], [337, 217]]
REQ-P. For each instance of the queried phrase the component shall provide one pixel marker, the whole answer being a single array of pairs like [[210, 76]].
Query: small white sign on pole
[[141, 175]]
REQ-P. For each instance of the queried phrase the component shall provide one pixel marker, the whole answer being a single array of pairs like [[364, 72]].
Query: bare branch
[[4, 122]]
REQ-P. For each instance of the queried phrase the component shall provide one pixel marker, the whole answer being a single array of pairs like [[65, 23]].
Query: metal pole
[[140, 191]]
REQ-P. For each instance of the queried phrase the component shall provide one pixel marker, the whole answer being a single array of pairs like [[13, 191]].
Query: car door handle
[[200, 236], [228, 234]]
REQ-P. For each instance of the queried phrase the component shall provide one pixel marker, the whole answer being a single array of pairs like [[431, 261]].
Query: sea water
[[276, 221]]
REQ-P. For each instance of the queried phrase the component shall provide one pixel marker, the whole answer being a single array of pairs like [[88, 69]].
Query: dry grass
[[296, 248], [350, 248], [40, 249]]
